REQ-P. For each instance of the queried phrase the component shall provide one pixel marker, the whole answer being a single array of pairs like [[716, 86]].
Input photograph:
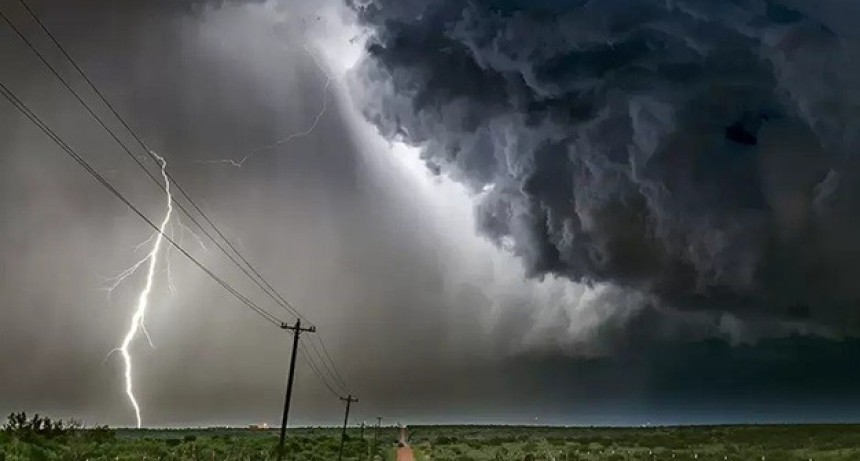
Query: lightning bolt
[[138, 323], [138, 317], [300, 134]]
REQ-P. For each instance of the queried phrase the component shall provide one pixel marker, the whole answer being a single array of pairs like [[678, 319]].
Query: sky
[[561, 212]]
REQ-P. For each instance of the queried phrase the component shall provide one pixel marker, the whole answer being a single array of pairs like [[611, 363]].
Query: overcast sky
[[642, 213]]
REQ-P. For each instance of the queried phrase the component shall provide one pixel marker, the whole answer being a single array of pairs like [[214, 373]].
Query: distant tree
[[19, 426], [99, 434]]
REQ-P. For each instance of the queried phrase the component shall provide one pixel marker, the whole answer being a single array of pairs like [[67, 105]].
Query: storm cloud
[[644, 176], [701, 152]]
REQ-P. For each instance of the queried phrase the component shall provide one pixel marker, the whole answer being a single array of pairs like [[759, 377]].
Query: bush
[[99, 434], [19, 426]]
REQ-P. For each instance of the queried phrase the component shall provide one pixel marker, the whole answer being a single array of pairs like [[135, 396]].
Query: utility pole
[[349, 400], [364, 445], [375, 437], [297, 329]]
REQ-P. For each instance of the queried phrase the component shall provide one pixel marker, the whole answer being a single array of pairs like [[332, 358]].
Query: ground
[[450, 443], [405, 453]]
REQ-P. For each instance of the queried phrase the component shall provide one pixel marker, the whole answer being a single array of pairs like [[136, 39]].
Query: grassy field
[[441, 443]]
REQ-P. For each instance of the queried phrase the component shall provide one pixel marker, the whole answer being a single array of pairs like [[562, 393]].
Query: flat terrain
[[449, 443]]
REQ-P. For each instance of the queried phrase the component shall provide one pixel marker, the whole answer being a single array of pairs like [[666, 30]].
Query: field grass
[[449, 443]]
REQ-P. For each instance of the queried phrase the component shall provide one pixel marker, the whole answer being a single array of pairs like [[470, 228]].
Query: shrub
[[19, 426], [99, 434]]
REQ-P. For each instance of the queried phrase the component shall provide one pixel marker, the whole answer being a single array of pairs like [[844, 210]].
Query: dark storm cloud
[[791, 379], [699, 151]]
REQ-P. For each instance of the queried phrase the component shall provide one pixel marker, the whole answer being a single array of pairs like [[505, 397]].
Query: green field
[[452, 443]]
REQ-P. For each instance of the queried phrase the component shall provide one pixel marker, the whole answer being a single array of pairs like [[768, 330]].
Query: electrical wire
[[309, 361], [261, 283], [327, 362], [24, 109]]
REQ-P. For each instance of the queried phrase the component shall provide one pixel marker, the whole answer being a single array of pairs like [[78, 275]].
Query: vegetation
[[712, 443], [39, 438]]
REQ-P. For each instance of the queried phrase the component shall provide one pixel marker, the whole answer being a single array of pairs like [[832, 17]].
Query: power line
[[334, 368], [324, 366], [140, 141], [328, 368], [312, 365], [257, 277], [315, 368], [262, 283], [22, 107]]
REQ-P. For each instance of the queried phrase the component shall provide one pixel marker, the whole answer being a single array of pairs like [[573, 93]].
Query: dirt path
[[404, 453]]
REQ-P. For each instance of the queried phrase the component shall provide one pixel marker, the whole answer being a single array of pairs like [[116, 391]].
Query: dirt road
[[404, 453]]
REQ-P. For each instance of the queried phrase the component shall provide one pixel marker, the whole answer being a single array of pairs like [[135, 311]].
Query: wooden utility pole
[[375, 437], [349, 400], [364, 445], [297, 329]]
